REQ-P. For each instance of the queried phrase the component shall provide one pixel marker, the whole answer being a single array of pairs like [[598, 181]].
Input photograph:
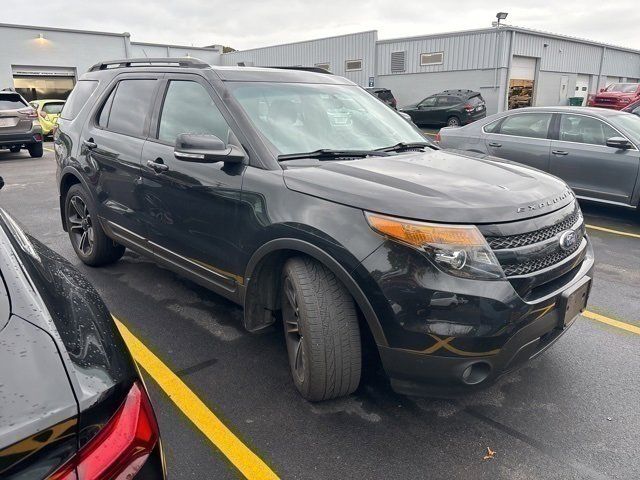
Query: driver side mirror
[[205, 149], [619, 143]]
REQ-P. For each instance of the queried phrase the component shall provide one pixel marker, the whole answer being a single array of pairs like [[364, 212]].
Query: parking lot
[[572, 413]]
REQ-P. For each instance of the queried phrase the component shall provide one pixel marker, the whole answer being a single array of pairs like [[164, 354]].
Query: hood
[[436, 186], [615, 95]]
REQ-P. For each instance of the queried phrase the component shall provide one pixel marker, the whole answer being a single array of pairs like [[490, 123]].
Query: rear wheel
[[453, 122], [321, 331], [14, 149], [88, 239], [35, 150]]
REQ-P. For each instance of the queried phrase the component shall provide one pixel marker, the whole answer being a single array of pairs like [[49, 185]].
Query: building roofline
[[152, 44], [530, 31], [304, 41], [66, 30]]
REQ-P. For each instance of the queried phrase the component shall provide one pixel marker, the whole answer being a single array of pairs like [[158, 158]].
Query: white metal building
[[507, 64], [510, 66], [43, 62]]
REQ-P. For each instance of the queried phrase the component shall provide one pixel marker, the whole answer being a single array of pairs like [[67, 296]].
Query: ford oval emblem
[[568, 239]]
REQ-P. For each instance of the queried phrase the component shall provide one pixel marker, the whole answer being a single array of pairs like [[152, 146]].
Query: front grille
[[539, 263], [529, 238]]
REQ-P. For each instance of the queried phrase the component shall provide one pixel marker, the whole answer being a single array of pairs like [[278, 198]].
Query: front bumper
[[437, 326]]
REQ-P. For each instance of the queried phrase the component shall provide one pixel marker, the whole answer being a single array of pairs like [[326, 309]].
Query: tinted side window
[[533, 125], [106, 109], [428, 102], [581, 129], [131, 106], [78, 97], [188, 108]]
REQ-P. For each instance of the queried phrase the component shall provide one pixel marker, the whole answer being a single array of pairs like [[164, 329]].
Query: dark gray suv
[[311, 203], [19, 126]]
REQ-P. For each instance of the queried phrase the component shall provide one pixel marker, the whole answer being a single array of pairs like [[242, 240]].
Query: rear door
[[112, 145], [522, 138], [443, 111], [580, 156]]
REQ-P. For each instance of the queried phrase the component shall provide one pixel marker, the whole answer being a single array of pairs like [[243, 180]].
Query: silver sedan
[[596, 151]]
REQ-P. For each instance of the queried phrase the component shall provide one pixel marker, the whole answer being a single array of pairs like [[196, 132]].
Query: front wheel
[[453, 122], [88, 239], [321, 331]]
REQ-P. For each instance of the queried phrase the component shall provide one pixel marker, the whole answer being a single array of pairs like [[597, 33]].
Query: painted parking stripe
[[49, 150], [610, 321], [616, 232], [247, 462]]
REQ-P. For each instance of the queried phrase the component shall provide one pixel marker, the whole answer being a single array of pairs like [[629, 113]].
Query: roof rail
[[304, 69], [140, 62]]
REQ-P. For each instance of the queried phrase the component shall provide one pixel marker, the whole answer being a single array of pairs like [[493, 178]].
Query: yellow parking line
[[610, 321], [49, 150], [616, 232], [249, 464]]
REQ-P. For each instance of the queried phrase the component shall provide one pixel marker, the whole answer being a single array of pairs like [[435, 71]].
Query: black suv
[[301, 197], [384, 94], [450, 107]]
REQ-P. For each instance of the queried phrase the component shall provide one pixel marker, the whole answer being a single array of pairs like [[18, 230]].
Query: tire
[[88, 239], [323, 337], [35, 150], [453, 122], [14, 149]]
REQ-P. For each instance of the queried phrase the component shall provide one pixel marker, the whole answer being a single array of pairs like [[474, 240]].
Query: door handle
[[90, 144], [157, 165], [495, 144], [560, 152]]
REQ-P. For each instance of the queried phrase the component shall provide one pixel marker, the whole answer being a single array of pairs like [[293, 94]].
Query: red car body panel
[[616, 100]]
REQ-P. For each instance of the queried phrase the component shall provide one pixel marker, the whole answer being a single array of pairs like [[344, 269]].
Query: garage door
[[523, 68], [523, 73], [36, 83]]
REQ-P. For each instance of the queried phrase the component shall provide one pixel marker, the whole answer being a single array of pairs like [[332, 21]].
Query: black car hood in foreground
[[436, 186]]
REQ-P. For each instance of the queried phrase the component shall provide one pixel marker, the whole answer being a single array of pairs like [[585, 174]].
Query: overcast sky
[[246, 24]]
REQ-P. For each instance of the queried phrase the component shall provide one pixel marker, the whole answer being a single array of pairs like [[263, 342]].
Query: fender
[[328, 261], [64, 173]]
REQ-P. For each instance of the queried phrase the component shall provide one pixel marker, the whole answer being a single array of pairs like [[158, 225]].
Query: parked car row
[[19, 126]]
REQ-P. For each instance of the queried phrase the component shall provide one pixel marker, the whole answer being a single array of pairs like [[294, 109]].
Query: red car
[[616, 96]]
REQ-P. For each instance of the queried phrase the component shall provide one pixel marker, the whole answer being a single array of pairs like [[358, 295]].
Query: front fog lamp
[[460, 250]]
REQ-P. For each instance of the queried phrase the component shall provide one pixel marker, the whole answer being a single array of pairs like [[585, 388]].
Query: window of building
[[436, 58], [532, 125], [581, 129], [398, 62], [188, 108], [130, 106], [353, 65], [78, 97], [325, 66]]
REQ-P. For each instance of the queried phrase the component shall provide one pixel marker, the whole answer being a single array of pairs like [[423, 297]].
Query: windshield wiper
[[404, 146], [328, 154]]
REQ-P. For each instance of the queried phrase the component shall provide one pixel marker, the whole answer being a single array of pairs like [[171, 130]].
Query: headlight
[[460, 250]]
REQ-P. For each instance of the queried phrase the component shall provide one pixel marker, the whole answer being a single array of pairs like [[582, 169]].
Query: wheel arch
[[262, 280], [68, 178]]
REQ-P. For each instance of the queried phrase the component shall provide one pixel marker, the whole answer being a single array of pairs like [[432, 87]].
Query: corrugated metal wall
[[335, 51], [468, 51]]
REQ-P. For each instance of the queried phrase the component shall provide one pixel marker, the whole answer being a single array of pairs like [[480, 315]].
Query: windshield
[[53, 108], [622, 87], [629, 122], [300, 118]]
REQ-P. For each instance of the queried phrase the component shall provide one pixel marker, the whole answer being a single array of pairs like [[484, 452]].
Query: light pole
[[500, 16]]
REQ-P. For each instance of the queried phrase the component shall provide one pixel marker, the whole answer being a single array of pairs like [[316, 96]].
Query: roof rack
[[140, 62], [304, 69]]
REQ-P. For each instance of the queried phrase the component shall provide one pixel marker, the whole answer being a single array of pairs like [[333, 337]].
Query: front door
[[581, 157], [191, 208], [112, 145], [522, 138]]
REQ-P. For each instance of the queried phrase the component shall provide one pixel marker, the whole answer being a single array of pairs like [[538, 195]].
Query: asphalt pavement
[[572, 413]]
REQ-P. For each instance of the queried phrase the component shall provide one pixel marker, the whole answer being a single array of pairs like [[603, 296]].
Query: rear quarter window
[[77, 99]]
